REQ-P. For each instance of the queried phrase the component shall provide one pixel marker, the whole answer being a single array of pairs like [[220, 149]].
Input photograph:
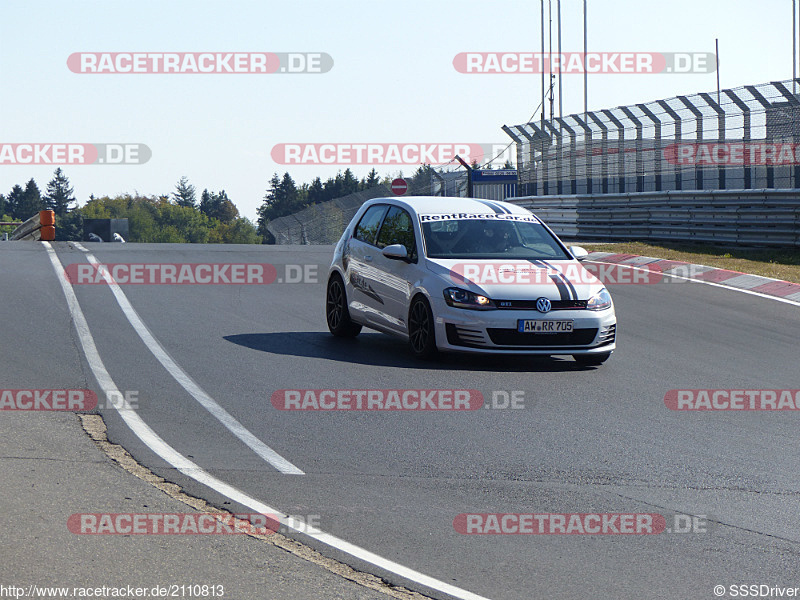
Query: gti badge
[[543, 305]]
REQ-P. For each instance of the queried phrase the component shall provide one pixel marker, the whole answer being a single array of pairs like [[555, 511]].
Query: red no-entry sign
[[399, 186]]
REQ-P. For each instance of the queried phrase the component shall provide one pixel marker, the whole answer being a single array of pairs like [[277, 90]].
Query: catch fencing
[[742, 138], [708, 167], [324, 223]]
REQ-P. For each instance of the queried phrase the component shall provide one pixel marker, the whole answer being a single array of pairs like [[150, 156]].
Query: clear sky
[[392, 80]]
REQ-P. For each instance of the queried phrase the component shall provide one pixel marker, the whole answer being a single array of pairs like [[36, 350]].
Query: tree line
[[179, 216], [166, 218], [284, 197]]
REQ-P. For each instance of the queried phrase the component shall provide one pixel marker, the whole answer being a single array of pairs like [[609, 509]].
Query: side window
[[367, 227], [398, 228]]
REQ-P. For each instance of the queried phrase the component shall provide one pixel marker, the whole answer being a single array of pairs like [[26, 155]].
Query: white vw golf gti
[[467, 275]]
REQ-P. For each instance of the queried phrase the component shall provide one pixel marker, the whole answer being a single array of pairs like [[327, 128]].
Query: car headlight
[[463, 299], [600, 301]]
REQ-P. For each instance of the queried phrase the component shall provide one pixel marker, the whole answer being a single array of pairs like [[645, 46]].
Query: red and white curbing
[[743, 281]]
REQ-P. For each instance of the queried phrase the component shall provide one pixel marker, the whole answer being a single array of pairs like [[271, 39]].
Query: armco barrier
[[39, 227], [765, 217]]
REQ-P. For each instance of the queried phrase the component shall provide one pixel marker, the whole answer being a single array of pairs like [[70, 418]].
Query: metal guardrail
[[41, 226], [765, 217]]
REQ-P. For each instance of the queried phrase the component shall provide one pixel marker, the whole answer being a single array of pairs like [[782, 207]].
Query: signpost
[[399, 186]]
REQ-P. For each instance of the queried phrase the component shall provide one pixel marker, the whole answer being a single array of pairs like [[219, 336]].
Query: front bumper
[[495, 331]]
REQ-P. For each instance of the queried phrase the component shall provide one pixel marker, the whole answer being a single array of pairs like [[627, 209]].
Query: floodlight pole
[[543, 88], [716, 58], [561, 67], [585, 73]]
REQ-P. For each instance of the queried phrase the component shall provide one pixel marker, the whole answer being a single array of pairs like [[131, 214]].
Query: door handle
[[368, 258]]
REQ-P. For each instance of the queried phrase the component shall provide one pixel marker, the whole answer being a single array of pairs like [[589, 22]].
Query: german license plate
[[543, 326]]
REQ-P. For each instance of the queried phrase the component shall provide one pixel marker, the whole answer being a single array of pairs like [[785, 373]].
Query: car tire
[[591, 360], [336, 313], [421, 329]]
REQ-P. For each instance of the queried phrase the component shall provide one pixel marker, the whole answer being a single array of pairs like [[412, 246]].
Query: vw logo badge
[[543, 305]]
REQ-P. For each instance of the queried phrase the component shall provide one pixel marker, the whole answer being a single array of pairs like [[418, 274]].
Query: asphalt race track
[[588, 440]]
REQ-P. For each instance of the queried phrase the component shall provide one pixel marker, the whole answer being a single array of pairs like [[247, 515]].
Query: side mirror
[[578, 252], [396, 252]]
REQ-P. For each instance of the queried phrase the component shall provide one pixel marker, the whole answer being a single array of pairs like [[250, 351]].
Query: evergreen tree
[[334, 186], [224, 209], [372, 180], [30, 203], [266, 210], [14, 200], [421, 180], [59, 194], [184, 193], [272, 199], [290, 193], [218, 206], [3, 205], [349, 182], [282, 198], [316, 193], [70, 226], [206, 202]]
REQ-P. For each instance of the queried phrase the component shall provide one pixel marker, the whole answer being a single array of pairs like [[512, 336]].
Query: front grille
[[531, 304], [512, 337]]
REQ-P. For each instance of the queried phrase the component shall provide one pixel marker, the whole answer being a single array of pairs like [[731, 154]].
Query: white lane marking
[[187, 383], [190, 469], [79, 246], [712, 283]]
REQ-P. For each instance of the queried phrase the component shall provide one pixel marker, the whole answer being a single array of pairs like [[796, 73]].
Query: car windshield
[[490, 239]]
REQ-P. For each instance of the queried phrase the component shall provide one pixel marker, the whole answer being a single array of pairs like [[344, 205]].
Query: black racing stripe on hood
[[496, 209], [566, 281], [497, 206], [563, 290]]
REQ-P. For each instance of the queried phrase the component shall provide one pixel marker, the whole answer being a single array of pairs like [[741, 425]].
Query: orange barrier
[[38, 227], [47, 233]]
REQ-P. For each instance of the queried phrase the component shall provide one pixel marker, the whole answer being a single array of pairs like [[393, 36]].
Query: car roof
[[447, 204]]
